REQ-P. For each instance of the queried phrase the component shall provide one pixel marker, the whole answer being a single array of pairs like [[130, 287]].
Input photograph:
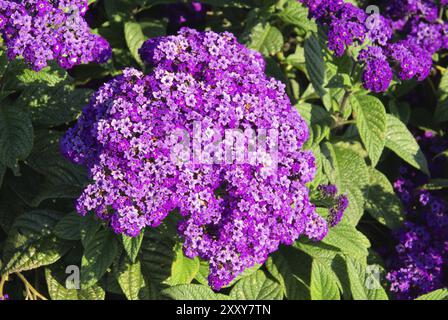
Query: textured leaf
[[129, 276], [340, 165], [371, 123], [266, 39], [134, 38], [402, 142], [441, 294], [382, 202], [203, 272], [317, 119], [100, 251], [156, 256], [183, 269], [320, 71], [315, 64], [16, 135], [362, 285], [51, 75], [2, 173], [256, 287], [192, 292], [69, 227], [10, 208], [292, 269], [297, 14], [58, 291], [54, 106], [436, 184], [46, 159], [441, 112], [31, 243], [132, 245], [324, 285], [349, 240]]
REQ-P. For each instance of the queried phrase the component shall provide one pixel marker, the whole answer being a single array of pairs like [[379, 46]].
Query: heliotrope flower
[[139, 137], [415, 22], [43, 30], [339, 203], [419, 262], [377, 74]]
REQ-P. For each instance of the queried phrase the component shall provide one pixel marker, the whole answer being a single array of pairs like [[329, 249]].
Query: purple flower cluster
[[44, 30], [4, 297], [339, 203], [420, 260], [233, 213], [414, 21]]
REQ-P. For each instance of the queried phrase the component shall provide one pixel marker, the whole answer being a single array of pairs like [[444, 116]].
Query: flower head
[[43, 30], [234, 213]]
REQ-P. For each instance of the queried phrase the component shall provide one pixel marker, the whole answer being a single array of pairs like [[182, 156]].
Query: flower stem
[[31, 291]]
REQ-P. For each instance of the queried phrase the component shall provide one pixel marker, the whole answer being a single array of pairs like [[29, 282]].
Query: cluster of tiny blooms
[[5, 297], [44, 30], [420, 260], [415, 22], [233, 214], [339, 203]]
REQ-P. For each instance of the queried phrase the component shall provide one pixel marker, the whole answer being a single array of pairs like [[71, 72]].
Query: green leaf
[[157, 256], [204, 271], [11, 206], [318, 120], [382, 202], [292, 269], [436, 184], [58, 291], [324, 284], [2, 173], [246, 273], [100, 251], [371, 123], [69, 227], [402, 142], [51, 75], [129, 276], [16, 135], [401, 110], [348, 239], [266, 39], [441, 112], [52, 106], [320, 71], [193, 292], [132, 245], [297, 14], [315, 64], [340, 164], [257, 287], [31, 243], [441, 294], [46, 159], [183, 269], [340, 81], [134, 38], [363, 286]]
